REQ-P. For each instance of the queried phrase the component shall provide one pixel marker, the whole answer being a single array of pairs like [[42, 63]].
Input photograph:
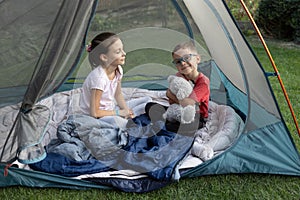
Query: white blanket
[[221, 131]]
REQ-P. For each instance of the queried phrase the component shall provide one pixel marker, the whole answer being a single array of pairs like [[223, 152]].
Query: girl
[[101, 95]]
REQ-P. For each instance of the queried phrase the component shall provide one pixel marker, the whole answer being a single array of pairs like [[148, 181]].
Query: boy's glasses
[[185, 58]]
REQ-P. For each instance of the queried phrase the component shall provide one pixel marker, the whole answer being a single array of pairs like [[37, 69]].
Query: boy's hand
[[172, 98], [187, 101]]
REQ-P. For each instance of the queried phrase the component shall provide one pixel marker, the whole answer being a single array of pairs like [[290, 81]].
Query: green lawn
[[244, 186]]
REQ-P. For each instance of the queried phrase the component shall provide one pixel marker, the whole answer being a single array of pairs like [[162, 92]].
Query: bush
[[237, 10], [280, 19]]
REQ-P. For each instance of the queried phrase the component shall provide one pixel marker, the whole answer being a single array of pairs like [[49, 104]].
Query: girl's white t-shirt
[[97, 79]]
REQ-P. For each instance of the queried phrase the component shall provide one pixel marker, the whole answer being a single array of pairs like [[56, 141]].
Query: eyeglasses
[[185, 58]]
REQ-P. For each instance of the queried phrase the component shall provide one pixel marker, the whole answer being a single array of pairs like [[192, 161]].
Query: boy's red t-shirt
[[201, 93]]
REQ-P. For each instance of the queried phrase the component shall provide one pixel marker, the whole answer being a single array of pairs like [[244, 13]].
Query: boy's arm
[[172, 98], [187, 101], [184, 102]]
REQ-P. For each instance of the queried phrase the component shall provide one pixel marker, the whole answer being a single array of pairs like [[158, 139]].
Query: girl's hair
[[100, 45], [185, 45]]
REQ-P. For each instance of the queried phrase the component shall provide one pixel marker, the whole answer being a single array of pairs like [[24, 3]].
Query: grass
[[232, 186]]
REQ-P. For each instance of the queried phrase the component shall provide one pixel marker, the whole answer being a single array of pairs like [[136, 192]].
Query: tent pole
[[273, 64]]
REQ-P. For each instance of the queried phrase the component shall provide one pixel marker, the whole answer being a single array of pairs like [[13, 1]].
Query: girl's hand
[[126, 113], [131, 115]]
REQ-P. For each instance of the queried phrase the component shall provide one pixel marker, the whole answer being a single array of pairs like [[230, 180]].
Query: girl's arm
[[95, 105], [124, 110], [120, 98]]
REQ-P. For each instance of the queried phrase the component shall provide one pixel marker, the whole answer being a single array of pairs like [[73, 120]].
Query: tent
[[43, 55]]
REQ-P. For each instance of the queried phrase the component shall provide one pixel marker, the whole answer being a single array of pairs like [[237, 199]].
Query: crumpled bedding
[[220, 132], [143, 147], [82, 137]]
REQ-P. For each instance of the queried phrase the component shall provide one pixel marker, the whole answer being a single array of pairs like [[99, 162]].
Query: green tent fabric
[[42, 53]]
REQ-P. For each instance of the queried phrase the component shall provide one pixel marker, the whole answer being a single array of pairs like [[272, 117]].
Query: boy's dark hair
[[99, 45]]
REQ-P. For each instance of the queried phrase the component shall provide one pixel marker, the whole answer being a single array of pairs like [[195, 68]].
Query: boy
[[186, 60]]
